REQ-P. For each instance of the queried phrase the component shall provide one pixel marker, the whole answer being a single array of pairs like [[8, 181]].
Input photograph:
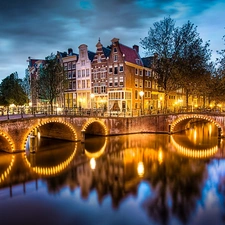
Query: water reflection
[[117, 168]]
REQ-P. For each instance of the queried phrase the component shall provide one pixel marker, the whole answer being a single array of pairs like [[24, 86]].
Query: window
[[110, 82], [69, 66], [79, 73], [87, 72], [136, 71], [65, 66], [140, 72], [116, 81], [74, 85], [140, 83], [69, 74], [136, 82], [114, 49], [115, 58], [74, 73], [103, 89], [70, 85], [83, 73], [88, 84], [82, 62], [79, 84], [115, 70], [73, 65], [96, 90], [121, 81], [121, 68], [110, 69], [83, 84]]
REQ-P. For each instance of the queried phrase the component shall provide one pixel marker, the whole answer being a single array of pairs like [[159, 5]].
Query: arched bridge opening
[[185, 122], [49, 129], [93, 128]]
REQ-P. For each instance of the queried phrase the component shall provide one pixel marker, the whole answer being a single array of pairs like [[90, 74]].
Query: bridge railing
[[40, 112]]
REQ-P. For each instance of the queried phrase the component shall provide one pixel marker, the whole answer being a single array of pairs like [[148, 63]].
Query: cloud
[[38, 28]]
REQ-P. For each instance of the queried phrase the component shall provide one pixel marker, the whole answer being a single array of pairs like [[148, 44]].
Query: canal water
[[137, 179]]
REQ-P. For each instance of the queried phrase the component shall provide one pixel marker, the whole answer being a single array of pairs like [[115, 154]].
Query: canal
[[137, 179]]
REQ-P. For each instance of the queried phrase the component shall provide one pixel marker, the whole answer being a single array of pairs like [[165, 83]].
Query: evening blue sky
[[39, 28]]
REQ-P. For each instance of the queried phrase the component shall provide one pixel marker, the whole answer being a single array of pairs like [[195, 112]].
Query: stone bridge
[[14, 133]]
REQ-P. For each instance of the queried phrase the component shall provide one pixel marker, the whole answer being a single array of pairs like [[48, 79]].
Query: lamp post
[[141, 93]]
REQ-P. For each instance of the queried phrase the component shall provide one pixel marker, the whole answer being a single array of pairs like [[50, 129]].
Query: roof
[[148, 61], [131, 55], [91, 55], [106, 51]]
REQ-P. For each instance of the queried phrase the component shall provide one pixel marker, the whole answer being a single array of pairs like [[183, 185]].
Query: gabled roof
[[130, 55], [106, 51], [91, 55]]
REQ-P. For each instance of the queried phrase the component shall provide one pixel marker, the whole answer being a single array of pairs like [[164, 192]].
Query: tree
[[12, 91], [160, 43], [192, 60], [180, 56], [52, 80]]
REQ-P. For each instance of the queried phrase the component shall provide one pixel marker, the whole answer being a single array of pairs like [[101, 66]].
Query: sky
[[39, 28]]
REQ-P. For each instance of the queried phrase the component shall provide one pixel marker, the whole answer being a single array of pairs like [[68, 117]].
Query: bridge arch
[[95, 126], [182, 120], [7, 143], [71, 135]]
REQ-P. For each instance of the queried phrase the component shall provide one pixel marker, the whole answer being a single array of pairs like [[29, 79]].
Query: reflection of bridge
[[14, 133], [120, 163]]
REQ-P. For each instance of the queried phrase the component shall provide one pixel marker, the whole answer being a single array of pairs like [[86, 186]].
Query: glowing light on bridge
[[90, 121], [193, 153], [7, 171], [46, 122], [195, 116], [48, 171], [10, 141]]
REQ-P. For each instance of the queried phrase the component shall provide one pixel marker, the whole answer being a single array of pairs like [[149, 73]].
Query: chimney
[[70, 51], [136, 48]]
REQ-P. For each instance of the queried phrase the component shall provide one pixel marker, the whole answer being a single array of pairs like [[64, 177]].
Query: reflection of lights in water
[[210, 129], [6, 172], [53, 169], [96, 154], [195, 135], [160, 156], [203, 153], [140, 169], [92, 163]]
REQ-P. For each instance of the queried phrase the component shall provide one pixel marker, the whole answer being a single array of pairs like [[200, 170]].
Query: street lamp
[[141, 93]]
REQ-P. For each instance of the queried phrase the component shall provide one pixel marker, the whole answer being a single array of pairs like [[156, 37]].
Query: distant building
[[99, 73]]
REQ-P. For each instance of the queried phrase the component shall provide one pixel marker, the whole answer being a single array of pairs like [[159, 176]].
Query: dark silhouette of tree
[[12, 92], [181, 59]]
